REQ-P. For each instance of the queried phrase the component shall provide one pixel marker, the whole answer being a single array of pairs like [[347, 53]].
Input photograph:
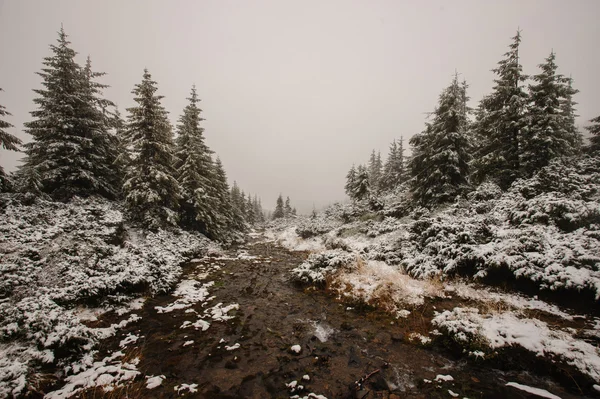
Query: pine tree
[[500, 122], [250, 215], [123, 146], [71, 149], [151, 191], [287, 209], [279, 212], [237, 207], [195, 171], [594, 129], [374, 170], [99, 121], [7, 142], [394, 172], [439, 166], [350, 182], [225, 216], [362, 188], [548, 135], [567, 109]]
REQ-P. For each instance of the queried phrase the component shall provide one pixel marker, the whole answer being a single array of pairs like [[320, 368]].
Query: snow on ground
[[109, 373], [189, 292], [498, 330], [191, 388], [542, 393], [55, 258], [154, 381]]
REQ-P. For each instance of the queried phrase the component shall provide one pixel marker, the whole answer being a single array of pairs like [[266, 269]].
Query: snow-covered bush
[[54, 256], [316, 268]]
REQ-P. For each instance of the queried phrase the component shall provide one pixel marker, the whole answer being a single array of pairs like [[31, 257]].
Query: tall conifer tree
[[500, 121], [7, 142], [439, 166], [151, 191], [71, 151]]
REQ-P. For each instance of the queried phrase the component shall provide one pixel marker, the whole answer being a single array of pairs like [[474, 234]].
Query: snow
[[189, 292], [56, 255], [534, 391], [129, 339], [107, 373], [191, 388], [232, 347], [506, 329], [453, 394], [445, 378], [187, 343], [296, 348], [154, 381]]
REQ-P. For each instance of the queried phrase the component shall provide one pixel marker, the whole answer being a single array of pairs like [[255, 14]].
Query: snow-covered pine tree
[[287, 209], [225, 216], [594, 130], [374, 170], [70, 150], [278, 213], [294, 212], [362, 188], [151, 191], [123, 145], [388, 180], [194, 171], [237, 208], [7, 142], [500, 122], [547, 135], [393, 173], [440, 163], [99, 122], [567, 108], [250, 215], [350, 182]]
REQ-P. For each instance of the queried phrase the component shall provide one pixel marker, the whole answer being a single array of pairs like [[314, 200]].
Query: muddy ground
[[339, 346]]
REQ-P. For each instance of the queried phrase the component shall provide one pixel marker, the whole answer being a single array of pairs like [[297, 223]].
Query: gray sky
[[294, 92]]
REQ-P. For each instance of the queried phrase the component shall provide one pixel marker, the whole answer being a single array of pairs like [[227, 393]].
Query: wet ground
[[339, 347]]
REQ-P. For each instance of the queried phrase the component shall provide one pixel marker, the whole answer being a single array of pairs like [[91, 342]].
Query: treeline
[[517, 129], [82, 147], [283, 210]]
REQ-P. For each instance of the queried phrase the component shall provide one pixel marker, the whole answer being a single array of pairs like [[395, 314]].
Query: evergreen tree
[[594, 129], [99, 122], [237, 207], [250, 215], [294, 212], [362, 188], [151, 191], [123, 145], [7, 142], [71, 149], [567, 109], [548, 135], [194, 171], [287, 209], [374, 170], [279, 212], [439, 166], [394, 172], [225, 216], [350, 182], [500, 122]]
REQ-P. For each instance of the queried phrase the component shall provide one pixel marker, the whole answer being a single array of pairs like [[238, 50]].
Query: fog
[[294, 93]]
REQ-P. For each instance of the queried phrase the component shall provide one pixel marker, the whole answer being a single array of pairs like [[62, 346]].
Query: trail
[[339, 345]]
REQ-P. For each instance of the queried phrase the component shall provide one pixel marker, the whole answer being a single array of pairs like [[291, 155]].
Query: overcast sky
[[294, 92]]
